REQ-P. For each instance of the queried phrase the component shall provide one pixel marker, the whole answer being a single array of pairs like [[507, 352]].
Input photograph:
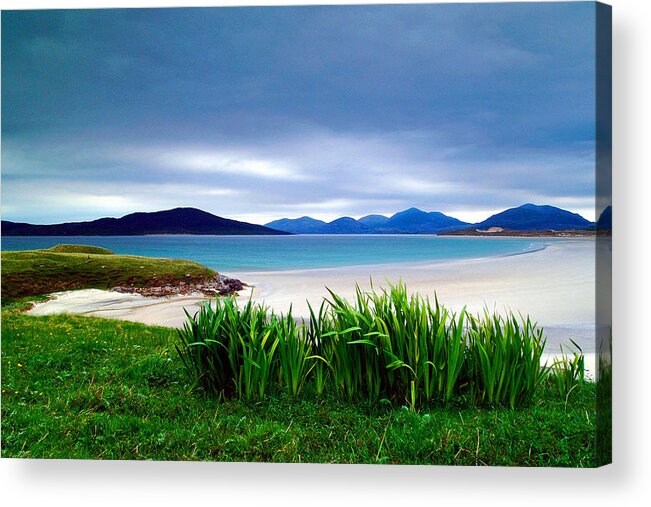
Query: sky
[[270, 112]]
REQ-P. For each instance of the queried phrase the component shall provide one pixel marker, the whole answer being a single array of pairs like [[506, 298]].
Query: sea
[[298, 252]]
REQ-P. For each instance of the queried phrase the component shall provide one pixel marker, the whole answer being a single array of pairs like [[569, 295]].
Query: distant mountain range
[[173, 221], [529, 217], [409, 221]]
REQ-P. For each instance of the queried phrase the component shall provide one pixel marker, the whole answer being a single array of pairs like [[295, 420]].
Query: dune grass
[[65, 267], [87, 388], [385, 346]]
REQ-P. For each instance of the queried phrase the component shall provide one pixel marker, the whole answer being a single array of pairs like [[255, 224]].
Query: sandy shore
[[555, 286], [155, 311]]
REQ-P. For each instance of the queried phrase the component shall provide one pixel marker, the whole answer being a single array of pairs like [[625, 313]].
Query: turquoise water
[[265, 253]]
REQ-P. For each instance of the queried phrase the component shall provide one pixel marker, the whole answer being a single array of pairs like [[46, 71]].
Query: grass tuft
[[385, 345]]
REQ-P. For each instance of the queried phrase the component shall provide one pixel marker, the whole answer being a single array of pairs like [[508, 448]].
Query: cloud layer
[[262, 113]]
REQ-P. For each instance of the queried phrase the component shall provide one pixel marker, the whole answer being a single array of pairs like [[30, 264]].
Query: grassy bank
[[77, 387], [65, 267], [385, 379]]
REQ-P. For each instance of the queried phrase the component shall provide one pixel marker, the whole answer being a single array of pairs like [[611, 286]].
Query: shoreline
[[570, 262], [554, 285], [387, 265]]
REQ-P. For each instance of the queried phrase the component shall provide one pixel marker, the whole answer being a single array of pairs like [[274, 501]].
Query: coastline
[[553, 285], [562, 271], [392, 266]]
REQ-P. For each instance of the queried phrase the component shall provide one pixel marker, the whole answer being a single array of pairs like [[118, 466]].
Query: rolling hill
[[531, 217], [303, 225], [173, 221]]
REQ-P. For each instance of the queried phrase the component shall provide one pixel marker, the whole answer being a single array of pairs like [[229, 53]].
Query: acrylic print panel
[[322, 234]]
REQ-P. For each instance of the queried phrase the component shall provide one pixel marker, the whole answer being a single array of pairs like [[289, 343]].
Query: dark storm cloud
[[267, 112]]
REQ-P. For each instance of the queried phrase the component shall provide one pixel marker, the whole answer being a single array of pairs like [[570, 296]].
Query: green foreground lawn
[[77, 387]]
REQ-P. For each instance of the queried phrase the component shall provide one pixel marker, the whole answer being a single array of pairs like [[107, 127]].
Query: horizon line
[[302, 216]]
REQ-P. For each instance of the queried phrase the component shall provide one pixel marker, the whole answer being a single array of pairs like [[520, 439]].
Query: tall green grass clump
[[382, 345], [567, 371], [242, 353], [503, 359], [391, 345]]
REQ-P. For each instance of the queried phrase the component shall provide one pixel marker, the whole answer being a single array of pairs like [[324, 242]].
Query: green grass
[[37, 272], [77, 387], [87, 249], [385, 346]]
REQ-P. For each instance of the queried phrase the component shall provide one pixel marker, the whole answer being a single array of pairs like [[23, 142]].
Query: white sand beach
[[554, 286]]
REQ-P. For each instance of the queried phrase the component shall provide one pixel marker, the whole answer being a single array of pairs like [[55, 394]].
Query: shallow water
[[270, 253]]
